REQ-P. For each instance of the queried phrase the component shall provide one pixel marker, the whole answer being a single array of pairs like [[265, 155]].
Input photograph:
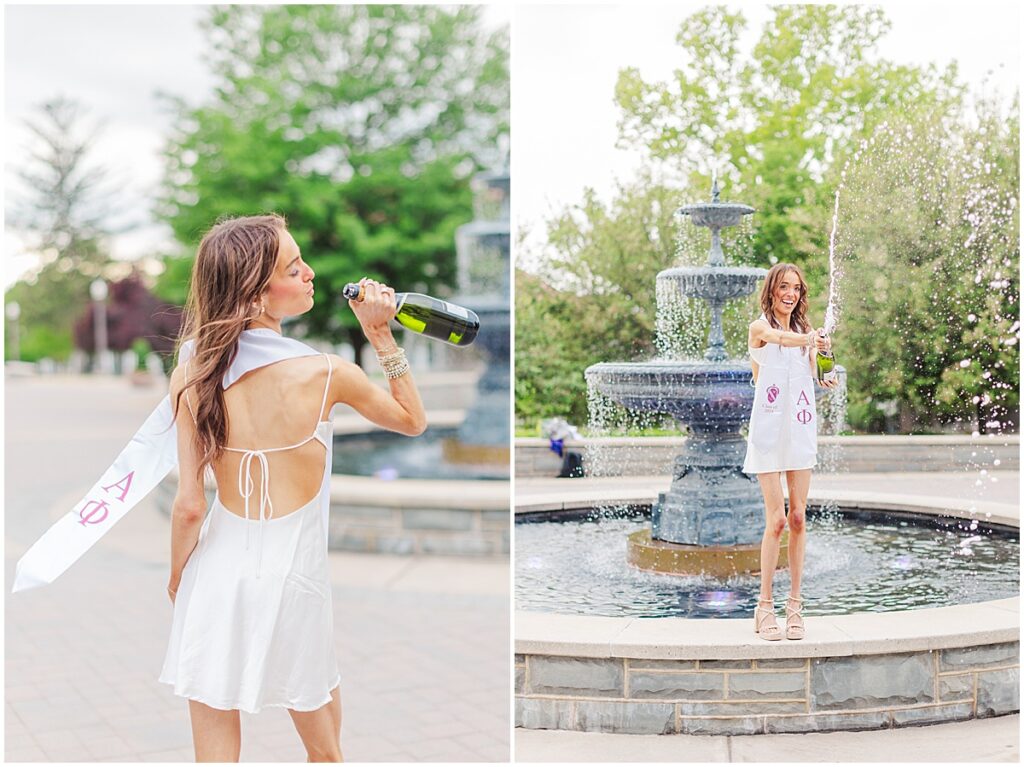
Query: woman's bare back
[[272, 407]]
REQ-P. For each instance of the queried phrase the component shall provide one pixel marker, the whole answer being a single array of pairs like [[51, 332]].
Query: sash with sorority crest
[[140, 467]]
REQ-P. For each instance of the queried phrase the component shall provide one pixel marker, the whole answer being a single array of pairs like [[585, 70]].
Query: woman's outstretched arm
[[762, 333]]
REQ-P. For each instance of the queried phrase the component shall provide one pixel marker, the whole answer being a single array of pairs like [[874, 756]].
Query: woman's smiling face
[[787, 293]]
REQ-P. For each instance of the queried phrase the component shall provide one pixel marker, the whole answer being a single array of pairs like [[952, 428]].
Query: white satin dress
[[253, 623], [783, 434]]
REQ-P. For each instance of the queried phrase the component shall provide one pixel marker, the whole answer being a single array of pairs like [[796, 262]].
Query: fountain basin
[[706, 396], [645, 552], [713, 283], [583, 562], [437, 454], [716, 215], [713, 676]]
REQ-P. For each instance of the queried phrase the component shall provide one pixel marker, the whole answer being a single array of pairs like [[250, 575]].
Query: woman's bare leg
[[216, 734], [799, 485], [774, 524], [320, 730]]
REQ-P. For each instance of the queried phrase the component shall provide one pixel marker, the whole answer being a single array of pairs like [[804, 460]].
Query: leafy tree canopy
[[360, 123], [774, 121]]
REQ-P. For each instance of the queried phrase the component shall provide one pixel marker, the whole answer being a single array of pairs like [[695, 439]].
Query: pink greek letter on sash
[[87, 519], [126, 481]]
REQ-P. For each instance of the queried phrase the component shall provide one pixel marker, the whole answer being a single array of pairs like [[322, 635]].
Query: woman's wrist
[[380, 338]]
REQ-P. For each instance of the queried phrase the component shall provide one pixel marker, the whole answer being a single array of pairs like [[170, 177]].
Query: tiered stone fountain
[[711, 519], [482, 249]]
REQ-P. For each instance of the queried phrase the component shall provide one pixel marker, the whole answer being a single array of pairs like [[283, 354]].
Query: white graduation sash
[[140, 467]]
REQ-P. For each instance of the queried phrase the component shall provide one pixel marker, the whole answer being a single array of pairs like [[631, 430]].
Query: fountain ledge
[[1006, 514], [588, 636]]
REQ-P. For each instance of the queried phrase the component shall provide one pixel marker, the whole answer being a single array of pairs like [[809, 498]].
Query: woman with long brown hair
[[253, 622], [783, 433]]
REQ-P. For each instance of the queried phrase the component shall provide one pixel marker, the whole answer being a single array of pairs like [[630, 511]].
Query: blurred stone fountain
[[482, 252], [711, 519]]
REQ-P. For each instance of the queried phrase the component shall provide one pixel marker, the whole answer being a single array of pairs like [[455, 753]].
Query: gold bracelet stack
[[394, 363]]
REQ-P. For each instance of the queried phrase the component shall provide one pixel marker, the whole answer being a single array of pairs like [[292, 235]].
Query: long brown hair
[[233, 266], [798, 319]]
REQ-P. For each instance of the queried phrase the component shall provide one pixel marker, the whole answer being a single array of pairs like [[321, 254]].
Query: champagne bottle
[[826, 365], [429, 316]]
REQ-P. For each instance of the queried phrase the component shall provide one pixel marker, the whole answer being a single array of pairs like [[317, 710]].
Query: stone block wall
[[403, 530], [745, 697], [650, 456]]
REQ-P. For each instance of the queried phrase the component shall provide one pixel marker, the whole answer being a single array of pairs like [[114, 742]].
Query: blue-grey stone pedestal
[[711, 501]]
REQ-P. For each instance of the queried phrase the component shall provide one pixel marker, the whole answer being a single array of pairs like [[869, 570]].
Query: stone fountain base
[[456, 451], [646, 553]]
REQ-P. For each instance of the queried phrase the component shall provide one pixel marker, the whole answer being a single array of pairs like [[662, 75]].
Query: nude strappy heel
[[769, 632], [794, 620]]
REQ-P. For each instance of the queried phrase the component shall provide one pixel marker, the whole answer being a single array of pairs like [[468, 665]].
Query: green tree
[[595, 299], [362, 124], [64, 212], [774, 122], [931, 256]]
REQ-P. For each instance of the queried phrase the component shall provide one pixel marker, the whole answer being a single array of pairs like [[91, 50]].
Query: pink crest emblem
[[773, 393]]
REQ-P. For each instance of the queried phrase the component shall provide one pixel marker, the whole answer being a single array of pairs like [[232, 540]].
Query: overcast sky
[[566, 62], [113, 59]]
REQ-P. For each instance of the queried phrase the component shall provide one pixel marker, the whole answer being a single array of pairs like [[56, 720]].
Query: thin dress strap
[[327, 387]]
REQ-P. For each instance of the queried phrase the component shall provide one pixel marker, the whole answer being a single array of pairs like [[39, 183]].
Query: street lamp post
[[98, 291], [13, 313]]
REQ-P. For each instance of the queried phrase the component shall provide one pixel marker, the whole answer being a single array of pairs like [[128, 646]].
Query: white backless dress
[[253, 623]]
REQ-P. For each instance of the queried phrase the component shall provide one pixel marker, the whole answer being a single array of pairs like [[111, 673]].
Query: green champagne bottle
[[431, 317], [826, 365]]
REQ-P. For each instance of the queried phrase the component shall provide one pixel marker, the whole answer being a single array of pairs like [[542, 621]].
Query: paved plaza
[[978, 740], [422, 642]]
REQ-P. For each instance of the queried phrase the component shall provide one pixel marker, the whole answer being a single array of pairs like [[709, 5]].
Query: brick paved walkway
[[423, 643]]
